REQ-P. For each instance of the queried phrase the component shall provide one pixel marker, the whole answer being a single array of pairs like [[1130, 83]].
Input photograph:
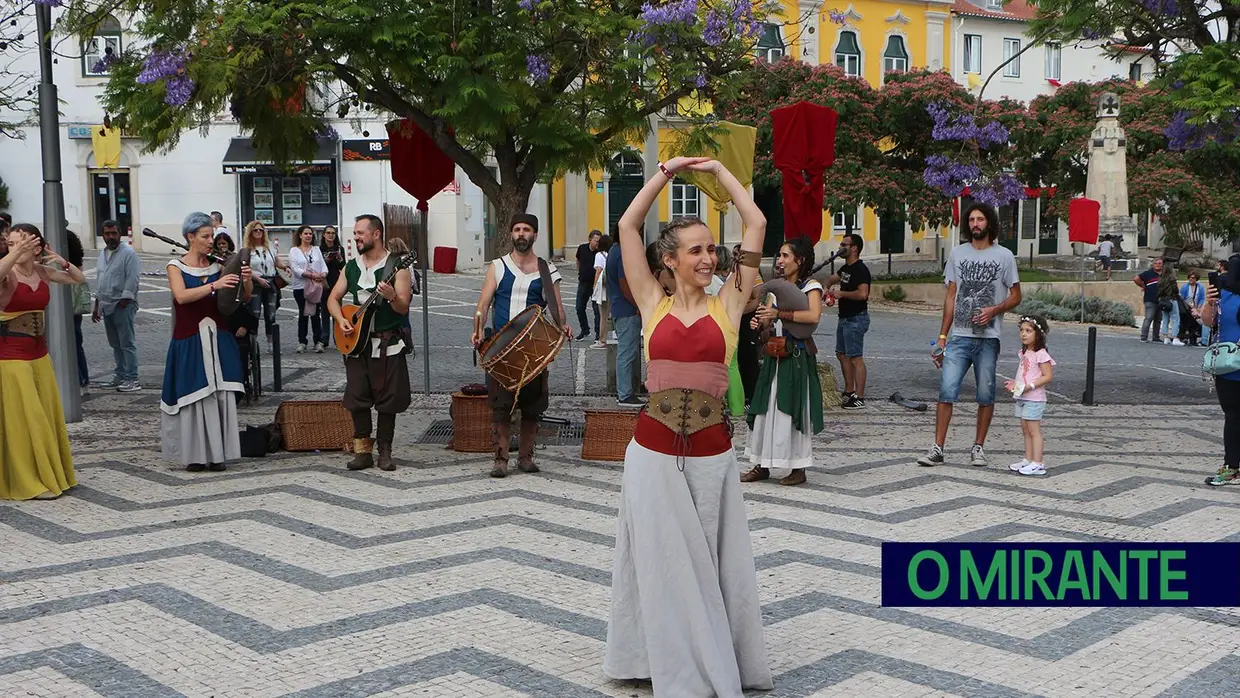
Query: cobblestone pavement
[[293, 576]]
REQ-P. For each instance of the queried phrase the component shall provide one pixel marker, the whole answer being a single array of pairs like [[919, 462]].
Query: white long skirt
[[204, 431], [774, 443], [684, 604]]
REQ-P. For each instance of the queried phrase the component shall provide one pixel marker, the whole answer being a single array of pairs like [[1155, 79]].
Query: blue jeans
[[119, 327], [1172, 318], [83, 370], [628, 334], [979, 352], [266, 301], [850, 335]]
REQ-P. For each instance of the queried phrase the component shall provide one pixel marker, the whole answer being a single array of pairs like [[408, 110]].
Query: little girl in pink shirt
[[1029, 389]]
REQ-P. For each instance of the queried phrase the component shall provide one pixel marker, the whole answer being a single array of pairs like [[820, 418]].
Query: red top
[[700, 342], [25, 299]]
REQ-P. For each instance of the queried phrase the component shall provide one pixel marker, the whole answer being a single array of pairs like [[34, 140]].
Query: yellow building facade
[[867, 38]]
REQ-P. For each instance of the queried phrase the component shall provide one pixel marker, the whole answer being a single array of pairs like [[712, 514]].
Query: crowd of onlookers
[[1172, 310]]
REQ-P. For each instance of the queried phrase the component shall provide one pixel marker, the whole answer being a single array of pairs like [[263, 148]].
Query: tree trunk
[[513, 199]]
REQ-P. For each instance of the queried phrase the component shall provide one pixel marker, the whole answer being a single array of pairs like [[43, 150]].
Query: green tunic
[[385, 318]]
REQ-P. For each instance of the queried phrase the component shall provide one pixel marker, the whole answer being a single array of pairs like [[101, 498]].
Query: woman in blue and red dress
[[203, 372], [35, 460], [684, 609]]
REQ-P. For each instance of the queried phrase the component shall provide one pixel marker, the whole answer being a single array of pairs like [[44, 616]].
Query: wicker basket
[[310, 425], [471, 424], [608, 433]]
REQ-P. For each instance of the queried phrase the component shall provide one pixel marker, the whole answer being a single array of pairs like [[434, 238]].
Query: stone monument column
[[1107, 176]]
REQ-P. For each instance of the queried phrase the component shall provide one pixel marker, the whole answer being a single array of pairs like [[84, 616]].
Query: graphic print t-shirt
[[983, 279]]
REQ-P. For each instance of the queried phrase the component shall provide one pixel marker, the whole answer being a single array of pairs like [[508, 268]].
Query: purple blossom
[[1177, 84], [527, 5], [962, 127], [1165, 8], [699, 81], [539, 68], [328, 132], [837, 17], [716, 27], [177, 90], [999, 191], [1182, 135], [104, 63], [948, 176], [683, 12], [161, 64]]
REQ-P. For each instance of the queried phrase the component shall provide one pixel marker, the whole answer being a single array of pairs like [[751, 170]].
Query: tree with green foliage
[[539, 87], [1196, 46], [852, 181], [1190, 189]]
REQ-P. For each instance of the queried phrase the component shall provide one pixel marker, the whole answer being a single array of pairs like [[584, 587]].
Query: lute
[[362, 317]]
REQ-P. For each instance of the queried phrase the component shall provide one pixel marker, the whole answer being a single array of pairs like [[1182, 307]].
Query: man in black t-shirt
[[585, 284], [854, 295]]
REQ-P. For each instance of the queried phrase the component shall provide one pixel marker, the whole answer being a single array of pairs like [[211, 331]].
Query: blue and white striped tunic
[[515, 290]]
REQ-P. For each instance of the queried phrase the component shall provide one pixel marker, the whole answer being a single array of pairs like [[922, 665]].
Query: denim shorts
[[1030, 410], [982, 353], [850, 335]]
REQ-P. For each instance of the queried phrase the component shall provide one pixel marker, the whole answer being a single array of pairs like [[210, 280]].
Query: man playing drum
[[378, 376], [514, 282]]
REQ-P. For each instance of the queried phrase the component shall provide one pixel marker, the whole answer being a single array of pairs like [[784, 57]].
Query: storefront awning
[[243, 158]]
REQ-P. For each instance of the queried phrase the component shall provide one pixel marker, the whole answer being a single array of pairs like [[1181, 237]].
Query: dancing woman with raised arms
[[684, 607]]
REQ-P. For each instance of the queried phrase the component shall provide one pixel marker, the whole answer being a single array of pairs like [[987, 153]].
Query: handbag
[[82, 303], [1221, 357]]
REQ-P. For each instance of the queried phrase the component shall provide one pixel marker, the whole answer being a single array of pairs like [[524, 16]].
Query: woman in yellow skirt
[[35, 461]]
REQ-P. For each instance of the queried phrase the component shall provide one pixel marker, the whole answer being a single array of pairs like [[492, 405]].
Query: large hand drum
[[521, 349]]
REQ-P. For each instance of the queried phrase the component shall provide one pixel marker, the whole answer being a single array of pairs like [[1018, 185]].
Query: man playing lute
[[376, 374]]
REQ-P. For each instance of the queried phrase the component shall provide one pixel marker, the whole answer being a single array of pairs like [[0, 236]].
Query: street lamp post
[[60, 338]]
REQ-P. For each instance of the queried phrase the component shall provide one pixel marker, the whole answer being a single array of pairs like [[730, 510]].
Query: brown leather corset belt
[[24, 325], [685, 411]]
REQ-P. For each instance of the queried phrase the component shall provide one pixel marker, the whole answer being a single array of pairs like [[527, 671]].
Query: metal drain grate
[[440, 432]]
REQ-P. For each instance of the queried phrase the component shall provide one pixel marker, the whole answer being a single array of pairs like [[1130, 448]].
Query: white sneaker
[[977, 456], [301, 348], [318, 348], [1166, 341], [1018, 465], [1177, 343], [1032, 469]]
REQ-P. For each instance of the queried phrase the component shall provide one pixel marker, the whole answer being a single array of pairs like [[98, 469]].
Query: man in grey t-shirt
[[982, 284]]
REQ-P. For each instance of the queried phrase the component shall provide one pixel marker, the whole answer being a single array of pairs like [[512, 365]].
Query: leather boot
[[796, 477], [525, 446], [502, 434], [385, 457], [362, 457], [755, 474]]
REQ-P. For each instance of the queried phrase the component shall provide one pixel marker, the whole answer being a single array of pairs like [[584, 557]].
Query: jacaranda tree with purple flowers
[[539, 87]]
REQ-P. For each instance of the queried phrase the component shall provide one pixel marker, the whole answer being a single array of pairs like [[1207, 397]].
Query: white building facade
[[218, 171]]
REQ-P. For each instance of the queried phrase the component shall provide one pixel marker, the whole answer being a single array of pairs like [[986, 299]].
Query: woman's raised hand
[[706, 165], [679, 164]]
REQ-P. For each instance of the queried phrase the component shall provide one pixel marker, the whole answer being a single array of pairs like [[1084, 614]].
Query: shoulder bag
[[1221, 357]]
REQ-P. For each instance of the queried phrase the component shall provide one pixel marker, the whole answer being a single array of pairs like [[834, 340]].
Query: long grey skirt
[[204, 431], [684, 592]]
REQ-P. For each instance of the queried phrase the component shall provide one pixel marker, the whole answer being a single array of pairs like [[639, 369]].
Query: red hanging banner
[[418, 165], [803, 136], [1083, 220]]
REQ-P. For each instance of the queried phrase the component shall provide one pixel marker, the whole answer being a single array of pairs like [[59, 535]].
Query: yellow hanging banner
[[107, 145], [736, 148]]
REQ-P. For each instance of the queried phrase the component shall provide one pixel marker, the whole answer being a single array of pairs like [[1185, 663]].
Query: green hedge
[[1063, 307]]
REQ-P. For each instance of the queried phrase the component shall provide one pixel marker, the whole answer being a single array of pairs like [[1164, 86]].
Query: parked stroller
[[1190, 327]]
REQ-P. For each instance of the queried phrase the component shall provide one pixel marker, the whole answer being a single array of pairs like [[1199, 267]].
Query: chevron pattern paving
[[291, 576]]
